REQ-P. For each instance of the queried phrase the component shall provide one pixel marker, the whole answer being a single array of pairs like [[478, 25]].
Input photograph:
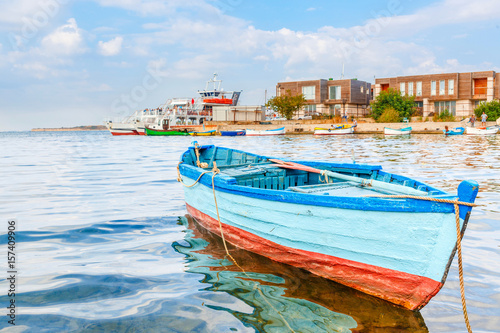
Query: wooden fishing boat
[[397, 249], [163, 132], [394, 131], [277, 131], [338, 130], [454, 131], [482, 130], [233, 133], [204, 133]]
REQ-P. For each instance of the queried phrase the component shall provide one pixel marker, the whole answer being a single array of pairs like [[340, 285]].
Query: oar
[[368, 182]]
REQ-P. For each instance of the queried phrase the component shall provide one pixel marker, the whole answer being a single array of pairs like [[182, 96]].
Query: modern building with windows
[[346, 97], [459, 93]]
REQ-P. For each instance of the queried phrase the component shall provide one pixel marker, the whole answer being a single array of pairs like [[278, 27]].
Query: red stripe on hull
[[124, 133], [407, 290]]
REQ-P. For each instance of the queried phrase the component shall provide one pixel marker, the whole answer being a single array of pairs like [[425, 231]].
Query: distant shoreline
[[77, 128]]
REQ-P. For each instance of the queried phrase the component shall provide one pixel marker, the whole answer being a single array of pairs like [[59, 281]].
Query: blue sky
[[78, 62]]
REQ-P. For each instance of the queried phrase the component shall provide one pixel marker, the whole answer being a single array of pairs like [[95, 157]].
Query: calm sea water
[[104, 243]]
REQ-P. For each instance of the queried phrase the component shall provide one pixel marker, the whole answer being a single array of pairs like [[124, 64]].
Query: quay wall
[[307, 127]]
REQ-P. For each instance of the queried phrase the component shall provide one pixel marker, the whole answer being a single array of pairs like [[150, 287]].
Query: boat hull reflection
[[306, 301]]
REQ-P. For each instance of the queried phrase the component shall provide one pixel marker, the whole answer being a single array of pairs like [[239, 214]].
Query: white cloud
[[157, 7], [35, 12], [65, 40], [110, 48]]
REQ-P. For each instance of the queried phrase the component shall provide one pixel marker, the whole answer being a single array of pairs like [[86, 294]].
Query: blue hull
[[455, 131], [232, 133]]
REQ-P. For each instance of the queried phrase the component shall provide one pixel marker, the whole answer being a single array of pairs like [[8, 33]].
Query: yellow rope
[[456, 204], [215, 171]]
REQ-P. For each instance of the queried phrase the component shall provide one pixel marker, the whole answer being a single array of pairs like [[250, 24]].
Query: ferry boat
[[178, 112]]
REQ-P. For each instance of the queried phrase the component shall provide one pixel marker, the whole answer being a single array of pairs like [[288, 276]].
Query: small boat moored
[[233, 133], [277, 131], [337, 220], [338, 130], [482, 130], [401, 131], [453, 131], [163, 132], [204, 133]]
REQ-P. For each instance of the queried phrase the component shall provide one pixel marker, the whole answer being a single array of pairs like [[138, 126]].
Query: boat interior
[[257, 171]]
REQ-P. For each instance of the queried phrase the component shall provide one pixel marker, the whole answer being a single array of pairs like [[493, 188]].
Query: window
[[478, 103], [433, 88], [441, 87], [450, 106], [335, 92], [402, 88], [410, 88], [419, 88], [336, 109], [451, 87], [310, 108], [309, 92], [361, 89]]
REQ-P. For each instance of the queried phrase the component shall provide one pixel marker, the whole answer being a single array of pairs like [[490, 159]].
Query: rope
[[179, 178], [456, 204], [460, 269], [216, 171]]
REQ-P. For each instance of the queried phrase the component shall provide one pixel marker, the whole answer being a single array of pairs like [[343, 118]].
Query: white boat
[[122, 128], [134, 124], [277, 131], [482, 130], [339, 130], [394, 131]]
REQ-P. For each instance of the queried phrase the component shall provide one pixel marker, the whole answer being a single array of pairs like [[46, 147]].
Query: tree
[[492, 109], [391, 98], [286, 104]]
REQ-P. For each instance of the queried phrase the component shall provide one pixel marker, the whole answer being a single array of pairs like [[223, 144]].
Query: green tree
[[492, 109], [286, 104], [391, 98], [389, 116]]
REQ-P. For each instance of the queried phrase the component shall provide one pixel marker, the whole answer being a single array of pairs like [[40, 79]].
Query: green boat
[[161, 132]]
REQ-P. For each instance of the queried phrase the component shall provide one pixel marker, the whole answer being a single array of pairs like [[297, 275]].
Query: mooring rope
[[456, 204], [216, 171]]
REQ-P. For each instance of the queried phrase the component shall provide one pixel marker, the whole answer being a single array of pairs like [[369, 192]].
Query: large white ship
[[177, 111]]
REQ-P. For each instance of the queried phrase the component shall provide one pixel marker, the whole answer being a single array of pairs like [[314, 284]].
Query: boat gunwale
[[229, 184]]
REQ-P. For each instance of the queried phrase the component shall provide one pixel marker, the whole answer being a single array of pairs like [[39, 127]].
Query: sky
[[80, 62]]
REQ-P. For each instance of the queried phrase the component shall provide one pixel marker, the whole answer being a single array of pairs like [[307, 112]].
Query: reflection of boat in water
[[307, 302]]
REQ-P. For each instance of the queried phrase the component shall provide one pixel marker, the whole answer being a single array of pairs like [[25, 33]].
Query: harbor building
[[459, 93], [345, 97]]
